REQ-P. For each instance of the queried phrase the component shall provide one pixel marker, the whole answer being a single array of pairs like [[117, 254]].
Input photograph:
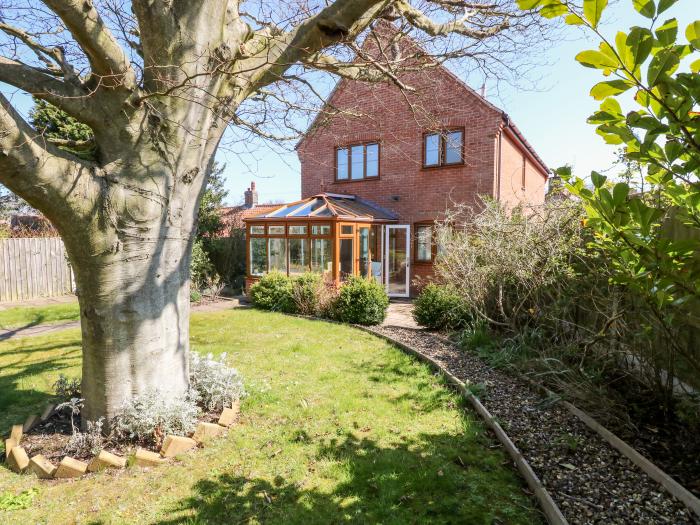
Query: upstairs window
[[357, 162], [443, 149]]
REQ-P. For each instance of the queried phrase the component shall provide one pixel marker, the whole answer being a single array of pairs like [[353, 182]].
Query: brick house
[[410, 156]]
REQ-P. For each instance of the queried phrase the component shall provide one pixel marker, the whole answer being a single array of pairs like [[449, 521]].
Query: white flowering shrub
[[84, 443], [216, 383], [151, 416]]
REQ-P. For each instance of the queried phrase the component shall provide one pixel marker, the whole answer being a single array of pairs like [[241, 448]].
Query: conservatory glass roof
[[330, 205]]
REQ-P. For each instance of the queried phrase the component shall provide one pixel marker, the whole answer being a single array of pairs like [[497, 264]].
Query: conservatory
[[331, 234]]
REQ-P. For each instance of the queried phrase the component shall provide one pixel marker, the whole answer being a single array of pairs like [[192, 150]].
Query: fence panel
[[33, 267]]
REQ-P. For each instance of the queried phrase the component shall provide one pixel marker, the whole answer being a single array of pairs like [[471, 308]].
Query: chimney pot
[[250, 196]]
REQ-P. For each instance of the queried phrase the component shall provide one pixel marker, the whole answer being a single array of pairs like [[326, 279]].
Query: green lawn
[[18, 317], [339, 427]]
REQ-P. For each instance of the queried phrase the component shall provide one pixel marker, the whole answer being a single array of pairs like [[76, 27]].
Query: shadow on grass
[[6, 334], [440, 478], [18, 397]]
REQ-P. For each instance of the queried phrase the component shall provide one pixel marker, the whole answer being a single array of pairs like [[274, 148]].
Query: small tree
[[652, 238]]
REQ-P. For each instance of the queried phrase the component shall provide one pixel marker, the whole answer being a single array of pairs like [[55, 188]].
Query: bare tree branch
[[106, 56]]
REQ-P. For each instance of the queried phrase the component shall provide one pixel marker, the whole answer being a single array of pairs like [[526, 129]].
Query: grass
[[18, 317], [338, 427]]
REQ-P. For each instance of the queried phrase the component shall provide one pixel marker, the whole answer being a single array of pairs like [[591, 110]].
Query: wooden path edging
[[674, 488], [551, 510]]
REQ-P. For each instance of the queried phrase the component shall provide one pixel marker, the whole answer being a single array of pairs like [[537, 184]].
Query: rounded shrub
[[360, 301], [273, 292], [439, 307], [306, 293]]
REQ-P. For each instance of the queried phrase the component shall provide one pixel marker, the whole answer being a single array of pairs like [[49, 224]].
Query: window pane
[[346, 229], [298, 256], [423, 243], [321, 261], [364, 252], [453, 147], [432, 149], [297, 230], [258, 256], [346, 258], [277, 251], [357, 159], [372, 160], [342, 163], [321, 229], [275, 230], [257, 230]]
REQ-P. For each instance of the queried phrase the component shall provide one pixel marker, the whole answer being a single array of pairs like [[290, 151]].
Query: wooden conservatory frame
[[338, 223]]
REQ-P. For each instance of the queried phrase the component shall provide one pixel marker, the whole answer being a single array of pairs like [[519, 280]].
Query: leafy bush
[[195, 296], [152, 415], [439, 307], [216, 384], [306, 293], [360, 301], [201, 268], [273, 292], [67, 388]]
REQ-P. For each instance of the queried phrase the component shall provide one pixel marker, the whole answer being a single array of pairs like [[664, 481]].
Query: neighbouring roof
[[232, 217], [330, 206]]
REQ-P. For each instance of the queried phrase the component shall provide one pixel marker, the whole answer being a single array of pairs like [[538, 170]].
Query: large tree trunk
[[131, 263], [135, 326]]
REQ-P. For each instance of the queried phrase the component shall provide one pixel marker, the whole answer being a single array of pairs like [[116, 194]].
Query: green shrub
[[360, 301], [195, 296], [201, 268], [274, 291], [439, 307], [307, 290]]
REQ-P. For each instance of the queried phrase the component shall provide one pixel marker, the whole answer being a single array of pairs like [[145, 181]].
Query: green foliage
[[307, 291], [201, 268], [477, 337], [649, 238], [361, 301], [440, 307], [273, 292], [10, 501], [54, 123], [195, 296], [209, 218]]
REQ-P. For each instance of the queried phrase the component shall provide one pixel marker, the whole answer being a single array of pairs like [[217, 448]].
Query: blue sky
[[553, 118]]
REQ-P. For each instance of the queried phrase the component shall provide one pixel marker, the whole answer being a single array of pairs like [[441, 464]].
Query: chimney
[[251, 196]]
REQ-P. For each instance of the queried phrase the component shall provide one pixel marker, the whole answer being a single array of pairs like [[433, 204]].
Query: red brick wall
[[513, 160], [381, 112]]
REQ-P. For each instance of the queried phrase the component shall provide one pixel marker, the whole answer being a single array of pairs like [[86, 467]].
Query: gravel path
[[589, 480]]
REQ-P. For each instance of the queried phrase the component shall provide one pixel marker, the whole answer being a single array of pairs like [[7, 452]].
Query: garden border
[[549, 507], [647, 466]]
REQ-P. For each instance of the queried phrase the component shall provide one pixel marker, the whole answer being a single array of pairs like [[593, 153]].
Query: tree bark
[[135, 327], [131, 254]]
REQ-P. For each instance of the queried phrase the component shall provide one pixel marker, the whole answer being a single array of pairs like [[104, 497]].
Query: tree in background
[[158, 82]]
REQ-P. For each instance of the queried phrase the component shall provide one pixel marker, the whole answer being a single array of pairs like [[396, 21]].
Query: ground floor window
[[277, 255], [346, 258], [258, 255], [424, 243], [298, 256], [321, 259]]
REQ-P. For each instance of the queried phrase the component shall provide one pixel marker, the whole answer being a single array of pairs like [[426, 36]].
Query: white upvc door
[[397, 260]]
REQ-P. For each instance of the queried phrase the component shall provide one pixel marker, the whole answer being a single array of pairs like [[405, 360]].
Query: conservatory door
[[397, 257]]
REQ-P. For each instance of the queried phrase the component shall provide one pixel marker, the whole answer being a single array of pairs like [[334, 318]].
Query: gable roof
[[507, 122]]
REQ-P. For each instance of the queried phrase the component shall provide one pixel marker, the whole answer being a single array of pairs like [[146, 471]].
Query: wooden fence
[[33, 267]]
